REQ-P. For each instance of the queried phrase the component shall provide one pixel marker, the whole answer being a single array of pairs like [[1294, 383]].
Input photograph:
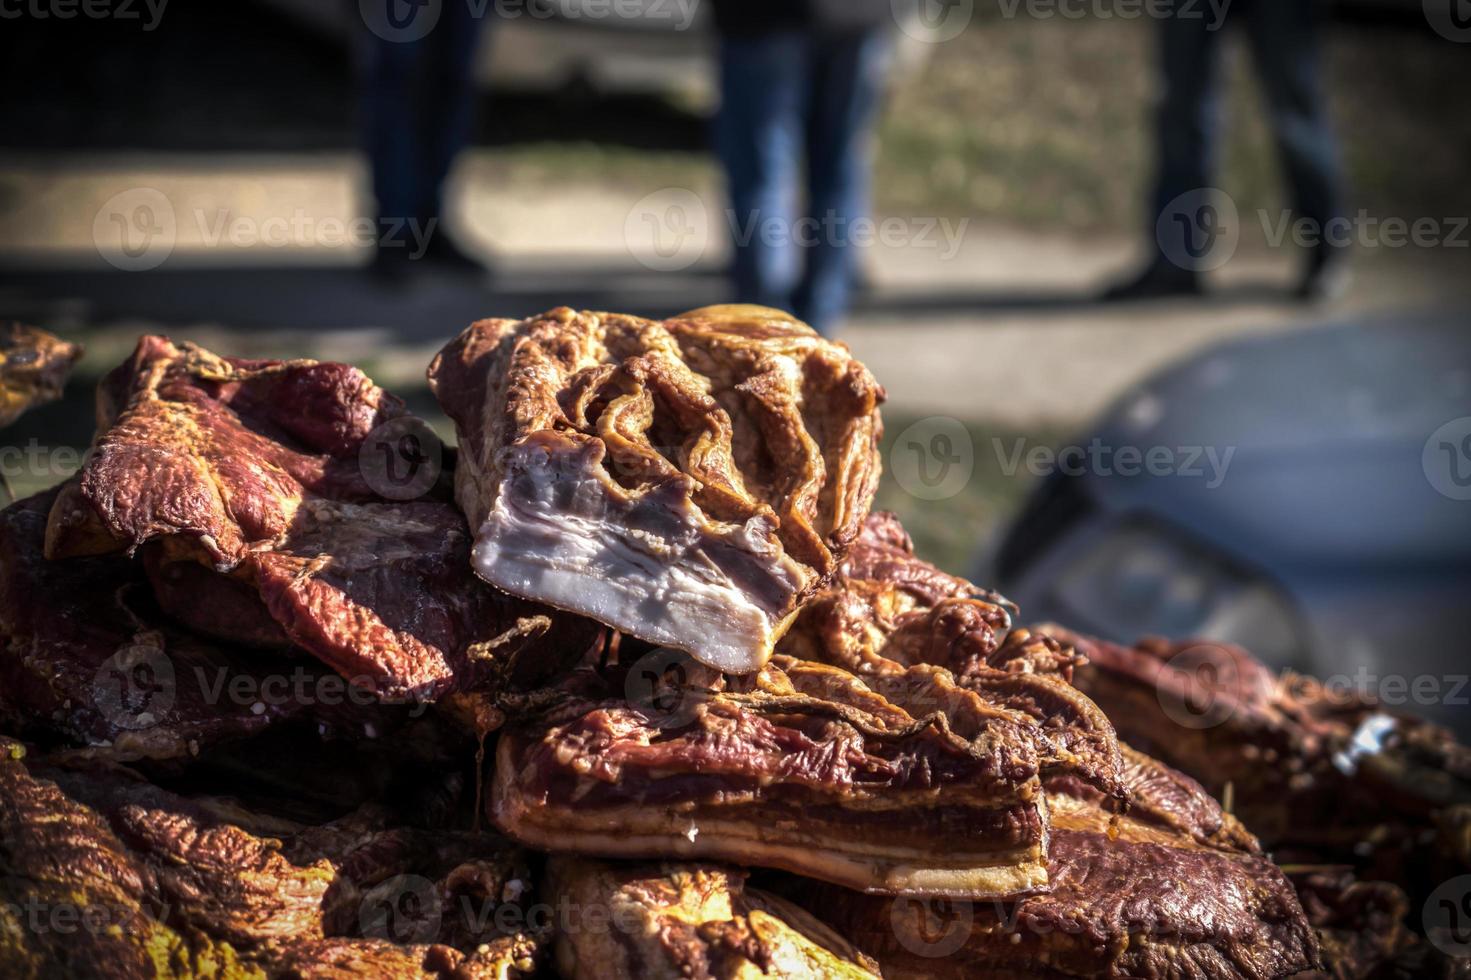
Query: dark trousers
[[418, 100], [796, 109], [1282, 35]]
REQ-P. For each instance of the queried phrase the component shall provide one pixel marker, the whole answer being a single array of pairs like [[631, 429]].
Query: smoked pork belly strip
[[799, 767], [1173, 890], [689, 481]]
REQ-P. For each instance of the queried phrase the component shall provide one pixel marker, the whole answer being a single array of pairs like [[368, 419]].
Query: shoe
[[442, 252], [1158, 280], [1325, 277]]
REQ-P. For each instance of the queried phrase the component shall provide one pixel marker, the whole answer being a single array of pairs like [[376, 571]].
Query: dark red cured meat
[[88, 658], [259, 470]]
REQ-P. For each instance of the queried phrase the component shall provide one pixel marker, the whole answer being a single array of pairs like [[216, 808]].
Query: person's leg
[[849, 73], [388, 84], [1187, 123], [1284, 43], [757, 137], [448, 108]]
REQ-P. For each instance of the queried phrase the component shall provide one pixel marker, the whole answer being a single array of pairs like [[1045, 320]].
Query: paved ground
[[978, 321]]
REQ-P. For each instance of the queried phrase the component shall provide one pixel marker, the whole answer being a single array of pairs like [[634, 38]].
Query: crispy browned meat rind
[[1174, 889], [912, 631], [800, 766], [75, 901], [33, 368], [676, 921], [1323, 776], [270, 471], [689, 482], [203, 887], [86, 657]]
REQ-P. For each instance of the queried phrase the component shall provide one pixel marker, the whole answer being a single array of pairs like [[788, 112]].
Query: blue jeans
[[1282, 35], [418, 102], [796, 109]]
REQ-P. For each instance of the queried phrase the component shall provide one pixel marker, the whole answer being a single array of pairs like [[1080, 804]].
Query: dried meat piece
[[88, 658], [198, 884], [669, 922], [928, 640], [1322, 775], [1173, 891], [800, 767], [271, 472], [689, 482], [33, 369], [75, 901]]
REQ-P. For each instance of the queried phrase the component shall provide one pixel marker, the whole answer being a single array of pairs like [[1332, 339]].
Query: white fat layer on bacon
[[570, 547]]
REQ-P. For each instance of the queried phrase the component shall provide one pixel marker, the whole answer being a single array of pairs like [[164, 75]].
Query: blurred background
[[1255, 439]]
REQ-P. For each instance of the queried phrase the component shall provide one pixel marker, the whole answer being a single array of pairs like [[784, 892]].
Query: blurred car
[[1331, 535], [632, 47]]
